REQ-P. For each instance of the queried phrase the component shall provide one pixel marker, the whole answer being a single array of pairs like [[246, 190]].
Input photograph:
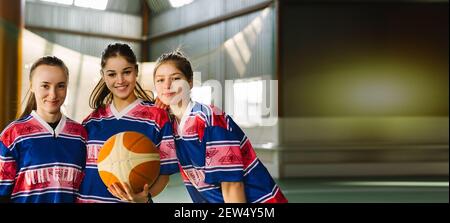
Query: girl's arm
[[233, 192], [8, 170]]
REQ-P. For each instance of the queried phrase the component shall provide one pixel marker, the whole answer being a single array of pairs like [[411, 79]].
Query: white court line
[[394, 183], [364, 190]]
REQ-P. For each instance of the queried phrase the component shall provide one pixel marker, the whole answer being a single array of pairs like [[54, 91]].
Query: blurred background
[[358, 112]]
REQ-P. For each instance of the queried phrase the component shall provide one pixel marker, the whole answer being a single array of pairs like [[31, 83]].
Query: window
[[93, 4], [179, 3], [201, 93], [247, 101], [253, 102], [63, 2]]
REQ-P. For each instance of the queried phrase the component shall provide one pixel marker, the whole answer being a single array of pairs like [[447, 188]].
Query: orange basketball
[[129, 157]]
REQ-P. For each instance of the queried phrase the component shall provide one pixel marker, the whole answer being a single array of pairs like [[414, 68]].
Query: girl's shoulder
[[210, 114], [97, 114], [209, 110], [149, 111], [73, 127], [18, 122], [16, 128], [72, 122]]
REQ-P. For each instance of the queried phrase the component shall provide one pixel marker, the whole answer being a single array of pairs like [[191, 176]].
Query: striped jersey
[[212, 149], [39, 164], [140, 116]]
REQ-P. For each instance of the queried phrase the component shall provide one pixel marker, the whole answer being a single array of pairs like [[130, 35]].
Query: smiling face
[[120, 77], [171, 84], [49, 85]]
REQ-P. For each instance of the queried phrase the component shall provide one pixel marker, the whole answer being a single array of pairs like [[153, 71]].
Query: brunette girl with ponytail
[[120, 104]]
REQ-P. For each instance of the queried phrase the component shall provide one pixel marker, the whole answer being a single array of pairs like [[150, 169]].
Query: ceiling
[[129, 6], [134, 6]]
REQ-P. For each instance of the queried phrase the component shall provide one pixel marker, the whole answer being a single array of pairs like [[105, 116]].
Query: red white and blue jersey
[[39, 164], [140, 116], [212, 149]]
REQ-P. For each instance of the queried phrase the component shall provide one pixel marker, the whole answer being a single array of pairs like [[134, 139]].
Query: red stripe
[[150, 113], [75, 129], [29, 127], [7, 170], [223, 155], [97, 114], [54, 177], [85, 201], [248, 154], [278, 198], [167, 149], [200, 127], [92, 153], [219, 118], [183, 174]]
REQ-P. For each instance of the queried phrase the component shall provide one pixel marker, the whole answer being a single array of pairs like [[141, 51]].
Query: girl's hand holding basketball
[[124, 193]]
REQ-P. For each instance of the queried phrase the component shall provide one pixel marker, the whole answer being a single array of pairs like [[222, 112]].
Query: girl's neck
[[49, 117], [120, 104], [178, 109]]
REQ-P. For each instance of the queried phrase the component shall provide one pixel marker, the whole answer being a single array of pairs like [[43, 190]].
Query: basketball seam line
[[134, 143]]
